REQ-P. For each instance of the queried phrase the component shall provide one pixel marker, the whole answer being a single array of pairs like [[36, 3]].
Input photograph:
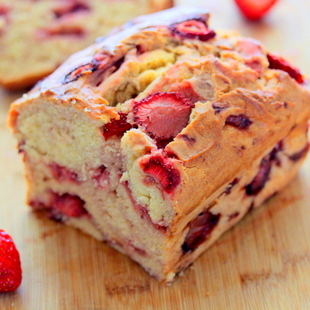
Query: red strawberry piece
[[69, 8], [239, 121], [249, 47], [299, 155], [62, 30], [185, 88], [163, 115], [100, 63], [200, 230], [193, 29], [255, 64], [255, 9], [136, 249], [277, 62], [38, 205], [162, 170], [102, 176], [259, 181], [141, 209], [4, 10], [69, 205], [4, 13], [116, 127], [62, 174], [10, 266], [79, 71]]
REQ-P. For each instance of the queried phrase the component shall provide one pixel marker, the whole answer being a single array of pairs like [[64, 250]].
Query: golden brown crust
[[222, 144]]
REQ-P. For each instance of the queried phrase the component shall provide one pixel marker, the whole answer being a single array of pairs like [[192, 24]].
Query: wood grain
[[262, 263]]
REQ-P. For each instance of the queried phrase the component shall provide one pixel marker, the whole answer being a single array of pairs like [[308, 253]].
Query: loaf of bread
[[161, 136], [37, 36]]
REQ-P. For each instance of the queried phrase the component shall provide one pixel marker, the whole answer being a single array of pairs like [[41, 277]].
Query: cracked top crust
[[244, 100]]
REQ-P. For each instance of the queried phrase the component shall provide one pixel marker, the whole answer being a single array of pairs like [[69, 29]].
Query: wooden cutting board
[[262, 263]]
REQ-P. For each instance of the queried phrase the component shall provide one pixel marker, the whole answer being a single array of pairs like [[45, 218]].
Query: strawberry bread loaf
[[162, 135], [37, 36]]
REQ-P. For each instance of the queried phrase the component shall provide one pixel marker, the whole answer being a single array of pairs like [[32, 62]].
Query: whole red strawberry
[[255, 9], [10, 267]]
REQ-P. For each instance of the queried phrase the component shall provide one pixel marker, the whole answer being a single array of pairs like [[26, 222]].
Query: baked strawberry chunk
[[116, 127], [10, 266], [193, 29], [263, 175], [101, 175], [277, 62], [200, 230], [70, 7], [141, 209], [163, 115], [98, 62], [79, 71], [239, 121], [249, 47], [162, 170], [62, 173], [299, 155], [185, 88], [4, 13], [69, 205], [61, 30]]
